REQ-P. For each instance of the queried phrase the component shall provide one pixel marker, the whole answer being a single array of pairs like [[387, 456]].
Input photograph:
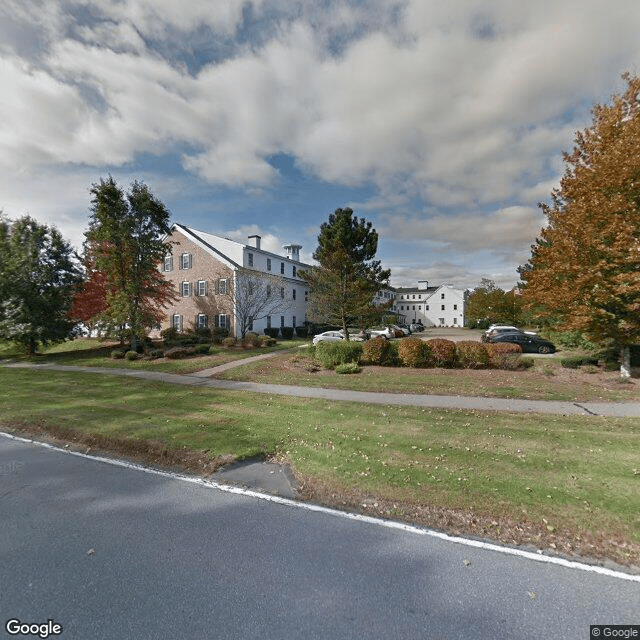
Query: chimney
[[256, 241], [293, 251], [423, 285]]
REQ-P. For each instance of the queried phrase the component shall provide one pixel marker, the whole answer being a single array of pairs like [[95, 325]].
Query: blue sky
[[441, 123]]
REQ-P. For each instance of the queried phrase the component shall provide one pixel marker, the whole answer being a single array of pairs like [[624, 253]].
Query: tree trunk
[[625, 361]]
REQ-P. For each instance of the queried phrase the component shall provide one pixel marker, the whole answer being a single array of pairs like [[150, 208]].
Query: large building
[[213, 275], [441, 306]]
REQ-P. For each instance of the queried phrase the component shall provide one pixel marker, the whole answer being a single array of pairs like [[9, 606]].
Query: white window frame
[[185, 289], [223, 320], [202, 321], [168, 263], [176, 322], [186, 261], [201, 288], [222, 287]]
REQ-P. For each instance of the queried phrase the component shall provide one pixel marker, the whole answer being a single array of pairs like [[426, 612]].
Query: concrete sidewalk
[[608, 409]]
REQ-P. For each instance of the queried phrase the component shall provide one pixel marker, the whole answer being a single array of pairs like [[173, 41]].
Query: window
[[201, 288], [250, 259], [413, 297], [455, 307], [282, 292], [186, 261], [282, 267], [185, 289], [176, 322], [419, 307], [268, 291], [293, 322], [294, 294], [203, 321], [442, 296], [426, 307], [282, 321], [294, 271], [414, 307], [168, 263], [221, 286], [442, 307], [455, 321], [222, 320], [441, 322], [268, 264], [268, 322]]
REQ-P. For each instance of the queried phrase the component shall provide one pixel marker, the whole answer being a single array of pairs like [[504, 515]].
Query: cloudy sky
[[443, 123]]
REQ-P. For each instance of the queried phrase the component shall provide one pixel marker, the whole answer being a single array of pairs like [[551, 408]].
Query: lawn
[[569, 483]]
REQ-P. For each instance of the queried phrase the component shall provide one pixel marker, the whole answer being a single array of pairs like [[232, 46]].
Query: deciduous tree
[[38, 274], [342, 287], [126, 235], [494, 305], [584, 270]]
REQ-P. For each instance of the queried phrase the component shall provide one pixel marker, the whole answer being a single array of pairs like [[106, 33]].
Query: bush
[[573, 339], [348, 367], [527, 363], [472, 355], [202, 349], [251, 340], [287, 332], [380, 351], [443, 352], [504, 355], [230, 341], [218, 334], [156, 353], [213, 350], [272, 332], [117, 354], [575, 362], [302, 332], [176, 353], [170, 334], [331, 354], [131, 355], [413, 352], [267, 341]]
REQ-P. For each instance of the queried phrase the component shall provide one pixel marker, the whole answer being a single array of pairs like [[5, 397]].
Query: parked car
[[333, 336], [496, 329], [387, 332], [406, 329], [416, 327], [530, 343]]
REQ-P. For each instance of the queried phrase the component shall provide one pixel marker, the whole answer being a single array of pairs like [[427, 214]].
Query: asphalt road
[[114, 552]]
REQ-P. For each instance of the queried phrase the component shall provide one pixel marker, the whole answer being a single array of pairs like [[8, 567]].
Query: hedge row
[[413, 352]]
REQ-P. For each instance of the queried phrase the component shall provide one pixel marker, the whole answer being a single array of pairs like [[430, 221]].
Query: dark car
[[530, 343]]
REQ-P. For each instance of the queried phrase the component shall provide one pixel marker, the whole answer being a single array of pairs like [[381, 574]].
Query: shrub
[[156, 353], [202, 349], [527, 363], [504, 355], [131, 355], [252, 340], [213, 350], [472, 355], [218, 334], [170, 334], [348, 367], [413, 352], [287, 332], [272, 332], [176, 353], [302, 332], [443, 352], [331, 354], [267, 341], [380, 351], [230, 341], [117, 354], [575, 362]]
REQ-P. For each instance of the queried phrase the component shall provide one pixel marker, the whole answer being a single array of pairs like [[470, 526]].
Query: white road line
[[390, 524]]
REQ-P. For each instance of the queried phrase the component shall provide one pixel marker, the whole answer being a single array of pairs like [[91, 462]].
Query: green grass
[[575, 476]]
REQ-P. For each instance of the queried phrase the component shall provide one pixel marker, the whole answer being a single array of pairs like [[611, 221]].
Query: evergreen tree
[[342, 288], [38, 275], [126, 239]]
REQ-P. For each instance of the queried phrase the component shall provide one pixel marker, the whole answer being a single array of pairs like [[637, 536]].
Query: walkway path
[[202, 379]]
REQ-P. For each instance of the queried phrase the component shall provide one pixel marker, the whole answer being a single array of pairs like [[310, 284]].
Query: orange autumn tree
[[584, 270]]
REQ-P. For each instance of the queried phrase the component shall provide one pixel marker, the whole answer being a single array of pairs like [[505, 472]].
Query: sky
[[442, 123]]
